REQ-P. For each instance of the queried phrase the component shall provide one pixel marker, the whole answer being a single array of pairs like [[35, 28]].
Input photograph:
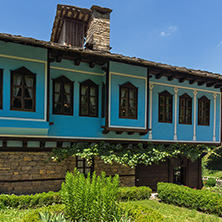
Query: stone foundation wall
[[127, 174], [33, 172]]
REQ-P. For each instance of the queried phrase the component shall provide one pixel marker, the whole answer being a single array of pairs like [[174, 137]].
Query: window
[[62, 96], [1, 87], [204, 111], [83, 166], [23, 90], [88, 99], [165, 107], [128, 101], [185, 116]]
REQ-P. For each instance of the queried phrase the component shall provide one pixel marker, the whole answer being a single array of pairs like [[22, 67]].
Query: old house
[[73, 89]]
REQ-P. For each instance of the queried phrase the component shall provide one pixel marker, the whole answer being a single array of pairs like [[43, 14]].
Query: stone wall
[[32, 172], [127, 174]]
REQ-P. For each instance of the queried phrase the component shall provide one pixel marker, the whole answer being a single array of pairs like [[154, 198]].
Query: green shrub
[[134, 193], [47, 216], [202, 200], [35, 215], [27, 201], [92, 198], [211, 182], [141, 213]]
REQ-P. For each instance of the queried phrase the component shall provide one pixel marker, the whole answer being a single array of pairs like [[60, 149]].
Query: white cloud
[[169, 31]]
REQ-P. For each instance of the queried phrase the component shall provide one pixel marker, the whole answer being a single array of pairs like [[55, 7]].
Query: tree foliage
[[130, 154]]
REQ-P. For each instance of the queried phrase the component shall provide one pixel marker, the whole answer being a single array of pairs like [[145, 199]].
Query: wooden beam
[[119, 132], [218, 86], [104, 69], [170, 78], [181, 80], [211, 84], [130, 133], [201, 83], [77, 62], [59, 58], [92, 64], [192, 81], [158, 76]]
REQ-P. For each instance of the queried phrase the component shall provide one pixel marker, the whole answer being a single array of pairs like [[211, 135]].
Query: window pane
[[57, 87], [16, 91], [87, 170], [57, 98], [124, 93], [92, 101], [28, 104], [28, 93], [84, 90], [123, 103], [17, 103], [162, 100], [28, 81], [132, 93], [92, 91], [84, 110], [17, 80], [123, 113], [67, 99], [132, 103], [67, 109], [58, 108], [79, 163], [84, 100], [67, 88], [93, 110], [132, 113]]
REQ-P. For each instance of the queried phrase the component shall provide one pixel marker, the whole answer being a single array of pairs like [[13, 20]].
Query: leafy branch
[[130, 154]]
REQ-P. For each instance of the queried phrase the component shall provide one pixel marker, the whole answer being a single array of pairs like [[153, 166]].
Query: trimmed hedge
[[46, 199], [141, 213], [134, 193], [30, 201], [202, 200]]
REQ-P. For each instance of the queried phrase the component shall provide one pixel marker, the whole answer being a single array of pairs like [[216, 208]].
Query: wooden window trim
[[23, 72], [84, 167], [165, 94], [1, 88], [186, 97], [128, 86], [90, 84], [62, 80], [205, 100]]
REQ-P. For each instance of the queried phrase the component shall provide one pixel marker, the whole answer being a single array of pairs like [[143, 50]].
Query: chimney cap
[[101, 9]]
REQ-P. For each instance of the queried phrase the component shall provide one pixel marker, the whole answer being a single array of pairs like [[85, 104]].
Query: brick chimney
[[98, 33]]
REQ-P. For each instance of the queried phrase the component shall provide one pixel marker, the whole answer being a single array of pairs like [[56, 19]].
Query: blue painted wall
[[14, 56]]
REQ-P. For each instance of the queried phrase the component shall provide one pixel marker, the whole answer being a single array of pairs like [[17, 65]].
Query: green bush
[[90, 199], [141, 213], [47, 216], [202, 200], [211, 182], [134, 193], [30, 201], [35, 215]]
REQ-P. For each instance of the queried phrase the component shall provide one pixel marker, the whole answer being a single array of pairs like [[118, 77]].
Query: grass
[[13, 215], [173, 213], [170, 212]]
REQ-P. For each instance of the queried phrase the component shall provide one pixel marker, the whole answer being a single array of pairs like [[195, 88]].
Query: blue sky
[[183, 33]]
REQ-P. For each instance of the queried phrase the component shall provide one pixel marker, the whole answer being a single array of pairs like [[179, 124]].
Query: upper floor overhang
[[58, 52]]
